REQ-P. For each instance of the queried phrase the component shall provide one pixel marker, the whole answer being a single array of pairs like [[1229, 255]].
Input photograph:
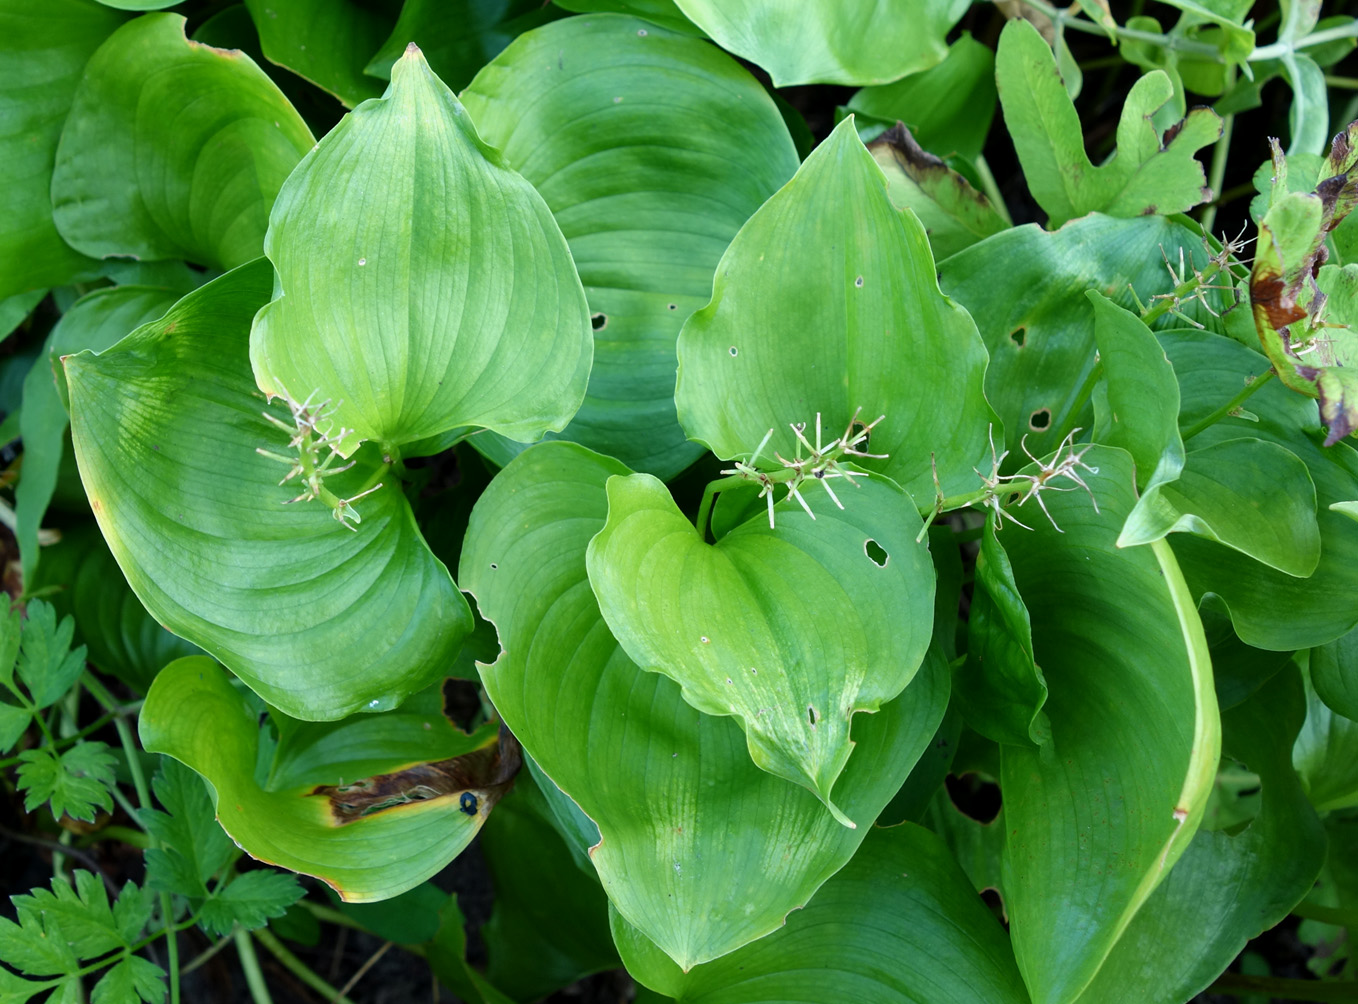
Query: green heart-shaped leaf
[[1096, 817], [1025, 289], [94, 322], [46, 48], [827, 303], [1251, 495], [699, 849], [647, 190], [742, 625], [423, 285], [173, 149], [822, 42], [898, 925], [1269, 608], [195, 715], [319, 620]]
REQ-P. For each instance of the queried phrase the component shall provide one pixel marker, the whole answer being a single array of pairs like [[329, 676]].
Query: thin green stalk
[[297, 967], [249, 962], [1245, 393], [1217, 173], [102, 695], [205, 956], [1086, 391], [992, 190], [68, 741], [1063, 16], [1347, 83], [1326, 914], [1290, 990], [122, 834], [1279, 49]]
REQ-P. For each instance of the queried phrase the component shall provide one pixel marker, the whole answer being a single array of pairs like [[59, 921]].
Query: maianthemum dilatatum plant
[[564, 442]]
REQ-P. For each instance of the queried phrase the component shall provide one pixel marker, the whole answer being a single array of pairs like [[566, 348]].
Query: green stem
[[102, 695], [249, 962], [71, 740], [1280, 49], [1245, 393], [1327, 914], [1217, 173], [1174, 297], [992, 190], [1063, 16], [205, 956], [1347, 83], [297, 967], [122, 834], [1291, 990]]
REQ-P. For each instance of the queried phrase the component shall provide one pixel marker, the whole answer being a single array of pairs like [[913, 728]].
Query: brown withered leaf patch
[[479, 779]]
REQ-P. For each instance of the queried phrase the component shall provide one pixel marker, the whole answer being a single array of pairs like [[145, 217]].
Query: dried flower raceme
[[823, 462], [1066, 462], [312, 434]]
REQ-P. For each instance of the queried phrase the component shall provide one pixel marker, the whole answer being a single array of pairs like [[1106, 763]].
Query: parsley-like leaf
[[195, 845], [76, 782], [84, 914], [10, 621], [250, 901], [47, 666], [13, 722], [16, 989], [130, 980]]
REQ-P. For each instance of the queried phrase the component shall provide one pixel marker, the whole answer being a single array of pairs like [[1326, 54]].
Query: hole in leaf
[[858, 282], [733, 351], [1040, 419], [1018, 335], [493, 566], [811, 715], [461, 703], [671, 306], [876, 552], [995, 903], [598, 321], [974, 796]]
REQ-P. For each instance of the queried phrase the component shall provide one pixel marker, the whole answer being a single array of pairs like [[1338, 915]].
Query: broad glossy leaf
[[954, 215], [1249, 494], [173, 150], [824, 42], [123, 639], [740, 625], [328, 42], [700, 850], [422, 284], [15, 309], [1025, 288], [826, 303], [95, 322], [44, 51], [947, 107], [1326, 754], [648, 192], [1147, 174], [1308, 113], [1096, 817], [1270, 609], [1238, 670], [662, 12], [1136, 405], [319, 620], [1000, 689], [1226, 889], [195, 715], [1334, 674], [899, 925], [457, 38], [548, 927]]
